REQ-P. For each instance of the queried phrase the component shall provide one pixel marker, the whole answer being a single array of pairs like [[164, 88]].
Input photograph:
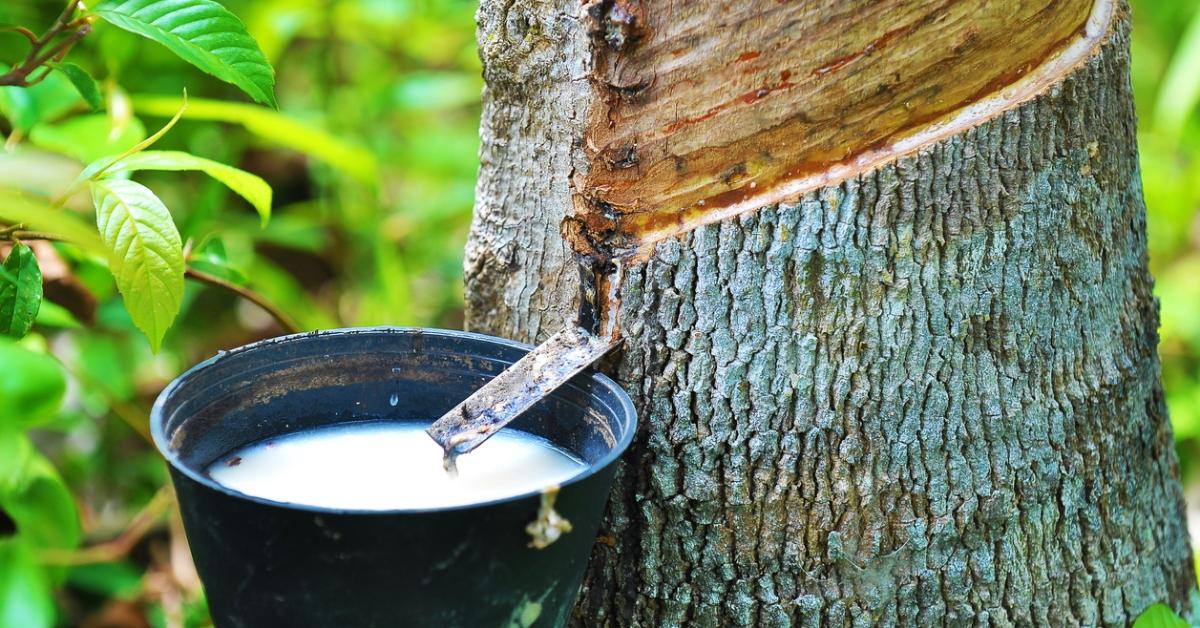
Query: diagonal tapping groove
[[692, 125]]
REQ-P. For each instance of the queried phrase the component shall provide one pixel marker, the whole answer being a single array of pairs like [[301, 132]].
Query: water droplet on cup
[[394, 399]]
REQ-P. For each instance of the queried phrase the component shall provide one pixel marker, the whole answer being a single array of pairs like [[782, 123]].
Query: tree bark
[[922, 390]]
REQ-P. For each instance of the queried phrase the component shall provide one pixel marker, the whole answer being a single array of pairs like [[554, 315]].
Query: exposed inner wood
[[698, 123]]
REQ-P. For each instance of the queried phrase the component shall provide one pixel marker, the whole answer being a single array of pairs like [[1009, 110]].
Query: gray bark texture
[[927, 395]]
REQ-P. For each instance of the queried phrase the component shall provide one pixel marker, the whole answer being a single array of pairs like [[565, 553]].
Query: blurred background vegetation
[[372, 158], [1166, 84]]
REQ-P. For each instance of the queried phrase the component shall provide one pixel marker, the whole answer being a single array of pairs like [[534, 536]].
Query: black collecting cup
[[265, 563]]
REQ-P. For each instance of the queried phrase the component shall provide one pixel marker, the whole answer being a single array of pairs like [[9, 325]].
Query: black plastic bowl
[[265, 563]]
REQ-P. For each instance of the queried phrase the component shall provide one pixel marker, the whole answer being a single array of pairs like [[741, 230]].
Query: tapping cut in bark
[[705, 110]]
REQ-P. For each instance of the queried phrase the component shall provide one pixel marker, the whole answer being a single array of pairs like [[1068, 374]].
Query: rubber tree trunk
[[886, 309]]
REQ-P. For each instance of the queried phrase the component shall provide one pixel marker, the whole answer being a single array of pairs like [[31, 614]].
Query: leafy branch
[[15, 233], [201, 32], [133, 234], [66, 31]]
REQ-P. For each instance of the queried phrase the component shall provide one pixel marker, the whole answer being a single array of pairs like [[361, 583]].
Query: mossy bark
[[926, 395]]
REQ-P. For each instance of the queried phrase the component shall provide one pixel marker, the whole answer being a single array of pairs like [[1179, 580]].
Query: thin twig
[[76, 29], [280, 316], [13, 235], [21, 30], [61, 22], [61, 48], [39, 78], [59, 200], [142, 524]]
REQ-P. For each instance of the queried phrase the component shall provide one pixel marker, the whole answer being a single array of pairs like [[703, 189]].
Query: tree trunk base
[[927, 394]]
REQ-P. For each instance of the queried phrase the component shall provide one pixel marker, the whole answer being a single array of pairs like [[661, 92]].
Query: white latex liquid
[[383, 466]]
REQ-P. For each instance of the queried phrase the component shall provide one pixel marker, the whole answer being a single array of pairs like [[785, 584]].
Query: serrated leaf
[[83, 82], [21, 295], [273, 126], [1159, 616], [203, 33], [251, 187], [145, 253], [31, 389]]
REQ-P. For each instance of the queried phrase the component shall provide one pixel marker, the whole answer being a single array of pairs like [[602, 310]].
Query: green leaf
[[15, 453], [275, 127], [44, 508], [227, 273], [87, 137], [31, 389], [83, 82], [26, 107], [212, 259], [120, 579], [52, 314], [21, 297], [26, 596], [251, 187], [37, 215], [203, 33], [145, 253], [34, 496], [1159, 616]]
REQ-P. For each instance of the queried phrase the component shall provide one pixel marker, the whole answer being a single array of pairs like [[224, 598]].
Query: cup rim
[[161, 442]]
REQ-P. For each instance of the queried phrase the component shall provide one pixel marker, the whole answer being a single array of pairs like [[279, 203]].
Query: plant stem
[[280, 316], [76, 29], [13, 234], [62, 22], [142, 524], [21, 30], [60, 49]]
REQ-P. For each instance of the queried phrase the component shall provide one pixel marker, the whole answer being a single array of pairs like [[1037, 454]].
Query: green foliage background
[[372, 157]]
